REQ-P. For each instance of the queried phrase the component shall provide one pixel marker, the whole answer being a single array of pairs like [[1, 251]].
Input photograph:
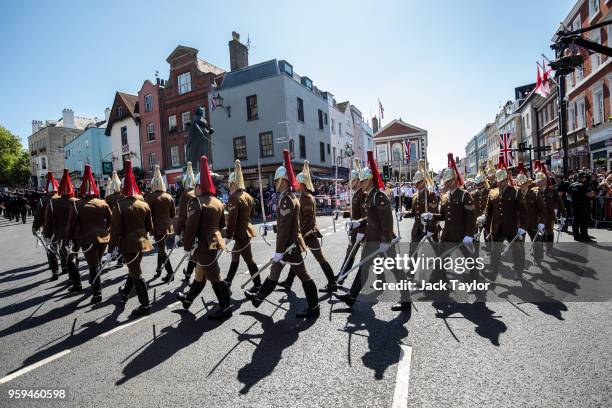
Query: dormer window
[[307, 82], [286, 67]]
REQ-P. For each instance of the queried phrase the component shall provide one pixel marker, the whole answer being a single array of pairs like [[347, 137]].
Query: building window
[[320, 112], [580, 114], [340, 128], [124, 139], [240, 150], [266, 144], [186, 119], [593, 8], [328, 151], [251, 102], [148, 103], [184, 83], [595, 57], [120, 111], [527, 120], [325, 118], [334, 156], [571, 117], [150, 132], [174, 156], [292, 148], [598, 106], [302, 147], [172, 123], [333, 126], [152, 162], [322, 151], [300, 109], [43, 163]]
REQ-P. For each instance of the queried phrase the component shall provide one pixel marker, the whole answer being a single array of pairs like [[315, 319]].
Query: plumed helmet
[[365, 174], [66, 189], [356, 169], [522, 178], [490, 170], [130, 188], [373, 167], [305, 178], [51, 185], [89, 188], [521, 168], [501, 175], [115, 184], [205, 178], [479, 179], [157, 183], [540, 176], [189, 180], [236, 176], [286, 170], [453, 167]]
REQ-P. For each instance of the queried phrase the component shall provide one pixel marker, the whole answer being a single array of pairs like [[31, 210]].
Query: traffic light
[[386, 173]]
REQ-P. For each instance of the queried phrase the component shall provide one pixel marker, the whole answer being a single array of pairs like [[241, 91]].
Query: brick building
[[151, 140], [123, 128]]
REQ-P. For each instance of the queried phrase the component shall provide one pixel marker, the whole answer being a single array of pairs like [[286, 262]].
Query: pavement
[[512, 354]]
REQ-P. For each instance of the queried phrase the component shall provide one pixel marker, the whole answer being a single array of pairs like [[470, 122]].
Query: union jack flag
[[505, 149]]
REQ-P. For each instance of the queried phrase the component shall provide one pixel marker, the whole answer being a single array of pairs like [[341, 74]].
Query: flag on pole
[[407, 150], [505, 149], [381, 109], [214, 102], [545, 78]]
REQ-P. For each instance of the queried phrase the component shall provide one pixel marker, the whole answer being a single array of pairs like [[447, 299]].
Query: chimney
[[68, 116], [36, 125], [239, 53], [107, 112], [375, 124]]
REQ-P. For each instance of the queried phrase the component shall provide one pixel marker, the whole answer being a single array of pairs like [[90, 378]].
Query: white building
[[123, 127]]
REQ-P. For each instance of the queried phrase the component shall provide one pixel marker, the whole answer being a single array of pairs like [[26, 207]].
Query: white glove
[[355, 224], [480, 220], [115, 254], [384, 246], [107, 258], [562, 221], [426, 216], [540, 227], [360, 236], [277, 257], [468, 240], [520, 232]]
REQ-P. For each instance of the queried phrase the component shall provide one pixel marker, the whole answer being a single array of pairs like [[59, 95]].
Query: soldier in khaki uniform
[[288, 233], [480, 195], [490, 173], [112, 197], [310, 229], [205, 220], [162, 211], [89, 225], [56, 219], [422, 202], [504, 213], [357, 215], [552, 202], [132, 222], [189, 183], [379, 233], [39, 221], [533, 207], [241, 208]]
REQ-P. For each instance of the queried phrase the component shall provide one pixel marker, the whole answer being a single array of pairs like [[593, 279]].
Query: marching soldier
[[310, 229], [89, 225], [189, 183], [552, 202], [205, 220], [162, 212], [241, 208], [39, 221], [112, 197], [480, 195], [491, 172], [504, 213], [357, 214], [379, 234], [131, 222], [533, 209], [288, 233], [581, 193], [56, 219], [423, 202]]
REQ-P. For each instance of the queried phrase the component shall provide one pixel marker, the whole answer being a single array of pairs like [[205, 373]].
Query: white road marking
[[33, 366], [400, 396], [123, 326]]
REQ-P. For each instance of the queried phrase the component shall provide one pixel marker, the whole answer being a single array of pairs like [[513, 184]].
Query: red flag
[[538, 87]]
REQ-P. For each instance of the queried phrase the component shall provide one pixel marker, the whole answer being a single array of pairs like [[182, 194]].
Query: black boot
[[143, 296], [124, 291], [231, 273], [346, 298], [158, 269], [194, 290], [331, 279], [169, 272], [312, 311], [73, 273], [190, 267], [223, 296], [256, 281], [287, 283], [95, 286], [256, 298]]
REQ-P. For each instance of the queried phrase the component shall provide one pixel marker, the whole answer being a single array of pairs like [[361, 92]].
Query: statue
[[199, 142]]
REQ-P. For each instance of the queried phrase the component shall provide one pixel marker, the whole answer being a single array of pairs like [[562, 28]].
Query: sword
[[335, 198], [352, 252], [103, 266], [265, 266], [178, 266], [539, 234], [263, 208], [509, 245], [427, 236], [169, 253], [561, 225], [368, 258]]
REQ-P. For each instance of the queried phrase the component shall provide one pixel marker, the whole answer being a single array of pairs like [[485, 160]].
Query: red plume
[[376, 178], [521, 168], [290, 175], [51, 181], [453, 165], [89, 187], [537, 166], [65, 186], [501, 164], [545, 171], [130, 187], [206, 184]]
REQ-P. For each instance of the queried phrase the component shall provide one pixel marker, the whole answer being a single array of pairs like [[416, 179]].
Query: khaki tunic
[[552, 201], [418, 208], [533, 207], [162, 211], [131, 222], [308, 216], [504, 212], [379, 226], [39, 214], [56, 217], [480, 197], [205, 220], [241, 208], [184, 199], [113, 199], [288, 223], [89, 222], [458, 213]]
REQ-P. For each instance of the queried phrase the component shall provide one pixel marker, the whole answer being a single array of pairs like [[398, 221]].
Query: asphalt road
[[514, 354]]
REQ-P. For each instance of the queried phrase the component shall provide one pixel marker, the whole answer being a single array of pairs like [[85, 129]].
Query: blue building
[[90, 147]]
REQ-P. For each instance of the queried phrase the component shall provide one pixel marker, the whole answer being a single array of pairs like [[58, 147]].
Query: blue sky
[[444, 66]]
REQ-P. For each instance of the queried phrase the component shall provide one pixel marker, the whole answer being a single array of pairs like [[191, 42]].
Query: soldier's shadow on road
[[487, 325], [22, 269], [274, 338]]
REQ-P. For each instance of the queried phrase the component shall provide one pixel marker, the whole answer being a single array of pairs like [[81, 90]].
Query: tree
[[14, 160]]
